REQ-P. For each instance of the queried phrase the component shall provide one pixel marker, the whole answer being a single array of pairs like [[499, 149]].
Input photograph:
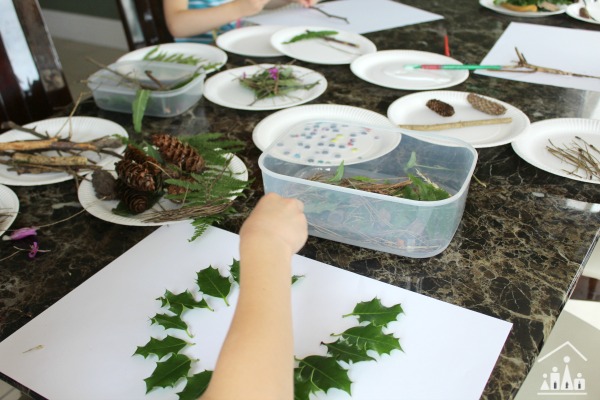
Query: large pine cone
[[176, 152], [134, 154], [137, 176], [440, 107], [484, 105], [136, 201]]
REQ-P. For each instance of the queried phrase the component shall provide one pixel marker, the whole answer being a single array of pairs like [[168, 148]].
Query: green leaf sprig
[[316, 373], [309, 35], [275, 81]]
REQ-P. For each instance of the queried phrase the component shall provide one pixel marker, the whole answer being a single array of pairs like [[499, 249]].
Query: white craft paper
[[364, 15], [573, 50], [89, 336]]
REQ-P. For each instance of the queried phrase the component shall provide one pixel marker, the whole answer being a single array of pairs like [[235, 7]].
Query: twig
[[329, 15], [522, 63], [459, 124]]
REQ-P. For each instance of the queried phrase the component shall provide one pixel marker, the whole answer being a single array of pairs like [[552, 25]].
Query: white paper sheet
[[364, 15], [573, 50], [89, 336]]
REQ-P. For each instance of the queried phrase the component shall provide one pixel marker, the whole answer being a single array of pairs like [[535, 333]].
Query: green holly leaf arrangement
[[170, 322], [196, 386], [375, 312], [235, 271], [161, 348], [168, 373], [212, 283], [178, 303], [356, 344]]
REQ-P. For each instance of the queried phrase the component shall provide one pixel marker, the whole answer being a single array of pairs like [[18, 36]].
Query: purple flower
[[23, 233], [34, 250], [274, 72]]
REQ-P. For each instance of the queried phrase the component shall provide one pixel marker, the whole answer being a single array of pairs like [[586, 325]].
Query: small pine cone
[[484, 105], [179, 190], [134, 154], [136, 176], [440, 107], [182, 155], [104, 185], [135, 201]]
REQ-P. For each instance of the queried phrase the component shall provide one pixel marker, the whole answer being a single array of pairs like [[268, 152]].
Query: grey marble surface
[[516, 255]]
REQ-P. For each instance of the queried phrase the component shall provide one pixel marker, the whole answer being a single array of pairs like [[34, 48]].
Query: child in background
[[256, 361], [201, 20]]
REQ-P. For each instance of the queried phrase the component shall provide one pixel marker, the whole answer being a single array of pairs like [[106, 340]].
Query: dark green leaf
[[139, 108], [339, 173], [235, 271], [344, 351], [170, 322], [370, 337], [168, 373], [161, 348], [323, 373], [296, 278], [375, 312], [213, 284], [421, 190], [177, 303], [196, 386]]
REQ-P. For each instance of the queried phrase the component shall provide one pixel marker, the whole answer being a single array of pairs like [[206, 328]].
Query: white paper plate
[[225, 89], [411, 109], [386, 68], [9, 208], [280, 122], [501, 10], [250, 41], [205, 53], [83, 129], [103, 208], [319, 51], [573, 11], [561, 131]]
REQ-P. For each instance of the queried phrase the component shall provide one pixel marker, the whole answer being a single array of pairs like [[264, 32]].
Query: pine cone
[[440, 107], [182, 155], [137, 155], [137, 176], [179, 190], [135, 200], [484, 105]]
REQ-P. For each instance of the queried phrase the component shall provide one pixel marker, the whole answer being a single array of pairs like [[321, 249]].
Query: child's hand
[[277, 220], [307, 3]]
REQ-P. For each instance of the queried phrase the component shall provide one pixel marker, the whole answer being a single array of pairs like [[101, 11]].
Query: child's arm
[[183, 22], [256, 361]]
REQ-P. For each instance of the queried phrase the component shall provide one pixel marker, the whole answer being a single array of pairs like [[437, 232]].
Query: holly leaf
[[370, 337], [235, 271], [375, 312], [170, 322], [168, 373], [344, 351], [196, 386], [323, 373], [296, 278], [161, 348], [177, 303], [213, 284]]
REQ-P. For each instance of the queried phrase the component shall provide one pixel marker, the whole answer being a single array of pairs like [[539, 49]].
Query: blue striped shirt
[[209, 36]]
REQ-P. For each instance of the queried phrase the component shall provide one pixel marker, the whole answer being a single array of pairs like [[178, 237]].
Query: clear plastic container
[[114, 92], [413, 228]]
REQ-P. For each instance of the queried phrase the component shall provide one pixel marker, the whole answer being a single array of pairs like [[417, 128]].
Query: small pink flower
[[34, 250], [23, 233], [274, 72]]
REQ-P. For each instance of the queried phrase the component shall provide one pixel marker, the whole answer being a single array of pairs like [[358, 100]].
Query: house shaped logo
[[563, 376]]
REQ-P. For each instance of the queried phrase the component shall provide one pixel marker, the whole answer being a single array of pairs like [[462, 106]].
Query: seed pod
[[440, 107], [484, 105], [176, 152], [104, 185]]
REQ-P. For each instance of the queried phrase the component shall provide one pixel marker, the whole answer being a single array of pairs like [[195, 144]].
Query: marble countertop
[[518, 251]]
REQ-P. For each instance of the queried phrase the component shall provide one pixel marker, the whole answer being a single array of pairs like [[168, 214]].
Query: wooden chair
[[32, 82], [144, 23]]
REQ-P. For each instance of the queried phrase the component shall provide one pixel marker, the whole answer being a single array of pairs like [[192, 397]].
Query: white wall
[[86, 29]]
